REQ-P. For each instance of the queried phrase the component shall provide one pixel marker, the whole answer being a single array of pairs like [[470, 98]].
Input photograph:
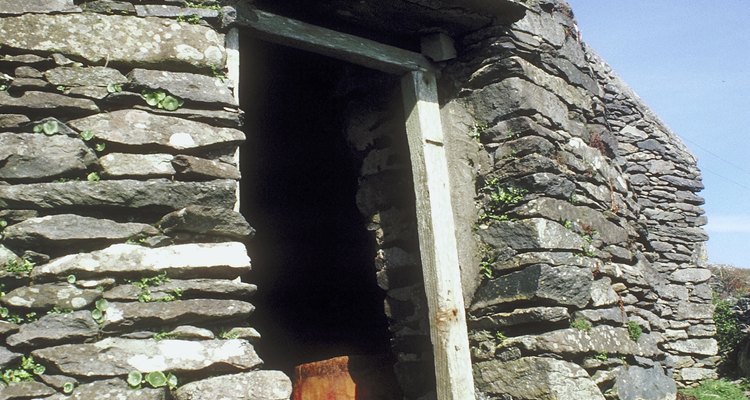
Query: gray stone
[[25, 390], [612, 315], [6, 255], [187, 332], [532, 234], [706, 347], [195, 168], [520, 316], [187, 86], [155, 195], [180, 45], [698, 374], [255, 385], [213, 288], [57, 381], [64, 296], [84, 76], [123, 165], [38, 156], [535, 378], [13, 120], [229, 119], [694, 275], [54, 329], [108, 7], [599, 339], [25, 71], [691, 311], [111, 389], [637, 383], [140, 128], [46, 103], [54, 233], [247, 333], [15, 7], [7, 328], [118, 357], [158, 10], [563, 285], [7, 357], [206, 312], [602, 293], [207, 221], [93, 92], [209, 260]]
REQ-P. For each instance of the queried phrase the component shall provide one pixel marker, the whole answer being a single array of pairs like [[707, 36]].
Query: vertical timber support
[[437, 237], [232, 45]]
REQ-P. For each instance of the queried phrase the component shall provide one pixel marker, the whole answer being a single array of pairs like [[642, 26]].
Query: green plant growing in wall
[[163, 335], [49, 128], [93, 177], [86, 135], [207, 5], [160, 99], [193, 19], [601, 356], [581, 325], [19, 267], [499, 198], [228, 334], [155, 379], [100, 310], [114, 88], [634, 331], [729, 332], [28, 370], [145, 284]]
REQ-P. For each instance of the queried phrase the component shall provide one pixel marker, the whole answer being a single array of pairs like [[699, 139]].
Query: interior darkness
[[312, 256]]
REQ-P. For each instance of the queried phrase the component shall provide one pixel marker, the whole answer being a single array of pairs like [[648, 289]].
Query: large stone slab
[[210, 260], [84, 76], [202, 312], [196, 168], [187, 86], [25, 390], [194, 288], [64, 296], [47, 103], [563, 285], [65, 231], [118, 357], [599, 339], [521, 316], [38, 156], [255, 385], [532, 234], [705, 347], [15, 7], [145, 42], [153, 195], [535, 378], [141, 128], [55, 329], [119, 165], [206, 221], [638, 383], [111, 389]]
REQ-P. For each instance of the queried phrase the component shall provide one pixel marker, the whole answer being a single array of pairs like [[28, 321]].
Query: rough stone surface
[[14, 7], [196, 168], [256, 385], [64, 296], [562, 285], [216, 260], [38, 156], [638, 383], [695, 346], [54, 329], [123, 165], [206, 312], [8, 357], [181, 45], [535, 378], [194, 288], [532, 234], [84, 76], [187, 86], [111, 389], [141, 128], [599, 339], [48, 103], [207, 221], [521, 316], [152, 194], [54, 232], [117, 357], [25, 390]]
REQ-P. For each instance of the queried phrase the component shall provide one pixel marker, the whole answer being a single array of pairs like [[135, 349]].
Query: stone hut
[[461, 190]]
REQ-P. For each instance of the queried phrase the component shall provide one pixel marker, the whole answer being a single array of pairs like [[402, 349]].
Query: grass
[[714, 390]]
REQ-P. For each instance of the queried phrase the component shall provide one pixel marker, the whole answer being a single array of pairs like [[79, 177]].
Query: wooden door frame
[[436, 227]]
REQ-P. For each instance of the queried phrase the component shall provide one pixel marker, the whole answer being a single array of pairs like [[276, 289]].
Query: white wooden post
[[437, 238]]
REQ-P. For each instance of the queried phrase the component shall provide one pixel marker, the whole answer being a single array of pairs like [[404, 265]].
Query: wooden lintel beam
[[342, 46]]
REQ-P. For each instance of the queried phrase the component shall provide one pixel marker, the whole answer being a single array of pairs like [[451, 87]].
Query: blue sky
[[690, 62]]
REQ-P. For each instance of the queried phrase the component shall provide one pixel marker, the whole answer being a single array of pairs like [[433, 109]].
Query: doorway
[[312, 255]]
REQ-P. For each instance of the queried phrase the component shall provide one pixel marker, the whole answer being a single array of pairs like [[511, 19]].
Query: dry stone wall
[[124, 263]]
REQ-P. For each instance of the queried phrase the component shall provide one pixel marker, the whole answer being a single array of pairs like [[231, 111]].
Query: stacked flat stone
[[590, 275], [665, 180], [121, 251]]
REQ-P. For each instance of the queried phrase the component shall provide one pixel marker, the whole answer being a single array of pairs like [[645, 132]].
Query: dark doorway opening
[[312, 255]]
